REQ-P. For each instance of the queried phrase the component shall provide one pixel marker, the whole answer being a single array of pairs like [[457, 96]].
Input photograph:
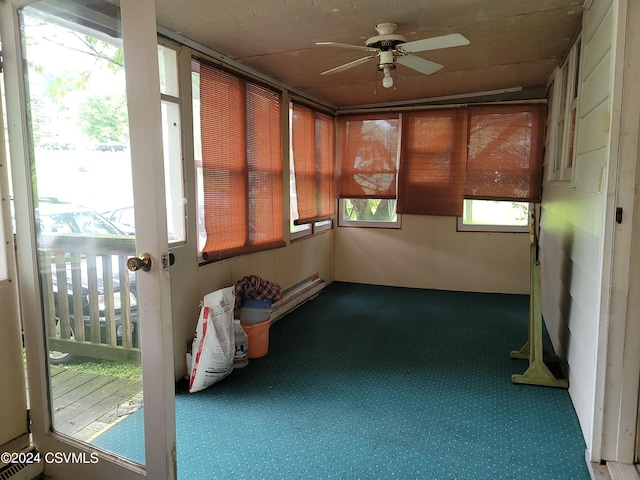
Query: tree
[[62, 92], [370, 209], [104, 118]]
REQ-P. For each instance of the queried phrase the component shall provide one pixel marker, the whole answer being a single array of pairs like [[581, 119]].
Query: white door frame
[[623, 353], [617, 374], [143, 92], [14, 434]]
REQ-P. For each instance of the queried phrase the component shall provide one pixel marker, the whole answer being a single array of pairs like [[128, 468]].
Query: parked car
[[123, 218], [56, 218], [61, 218], [53, 145], [111, 147]]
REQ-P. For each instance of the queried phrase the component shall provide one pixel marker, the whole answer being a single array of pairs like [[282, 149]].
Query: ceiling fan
[[390, 48]]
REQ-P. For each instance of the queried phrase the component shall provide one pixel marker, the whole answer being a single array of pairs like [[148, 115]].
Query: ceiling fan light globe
[[387, 80]]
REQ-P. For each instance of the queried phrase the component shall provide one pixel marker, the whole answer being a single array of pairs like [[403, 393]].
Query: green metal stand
[[537, 373]]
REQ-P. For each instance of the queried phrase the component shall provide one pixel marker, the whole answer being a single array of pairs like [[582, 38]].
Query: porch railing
[[89, 295]]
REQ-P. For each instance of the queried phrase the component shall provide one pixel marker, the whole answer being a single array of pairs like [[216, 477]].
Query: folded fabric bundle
[[255, 288]]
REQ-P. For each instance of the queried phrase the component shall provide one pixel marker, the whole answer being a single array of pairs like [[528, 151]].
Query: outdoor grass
[[126, 370]]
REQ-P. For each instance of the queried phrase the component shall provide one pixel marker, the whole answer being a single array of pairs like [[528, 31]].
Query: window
[[504, 163], [563, 110], [4, 184], [494, 216], [300, 231], [311, 170], [172, 146], [432, 164], [368, 150], [504, 159], [368, 212], [312, 143], [322, 226], [309, 229], [449, 158], [3, 235], [240, 162]]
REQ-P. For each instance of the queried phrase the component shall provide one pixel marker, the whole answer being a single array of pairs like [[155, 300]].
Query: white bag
[[214, 344]]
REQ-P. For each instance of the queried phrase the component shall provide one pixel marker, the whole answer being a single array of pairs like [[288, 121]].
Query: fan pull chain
[[375, 82]]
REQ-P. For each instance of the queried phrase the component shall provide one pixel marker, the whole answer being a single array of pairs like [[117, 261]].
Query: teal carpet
[[379, 382]]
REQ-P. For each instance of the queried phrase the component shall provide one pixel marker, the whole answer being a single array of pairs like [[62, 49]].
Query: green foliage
[[108, 368], [371, 209], [56, 93], [59, 87], [104, 118], [111, 54], [523, 210]]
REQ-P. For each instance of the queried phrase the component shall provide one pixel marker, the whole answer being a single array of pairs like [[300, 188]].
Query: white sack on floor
[[214, 344]]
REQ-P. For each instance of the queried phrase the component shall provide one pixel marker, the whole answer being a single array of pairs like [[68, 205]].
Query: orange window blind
[[367, 150], [242, 164], [313, 158], [432, 164], [505, 152]]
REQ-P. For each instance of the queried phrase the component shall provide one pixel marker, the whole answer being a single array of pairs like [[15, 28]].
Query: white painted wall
[[572, 223], [428, 252]]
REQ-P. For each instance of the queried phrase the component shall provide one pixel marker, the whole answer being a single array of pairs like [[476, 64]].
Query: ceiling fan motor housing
[[386, 38], [386, 42]]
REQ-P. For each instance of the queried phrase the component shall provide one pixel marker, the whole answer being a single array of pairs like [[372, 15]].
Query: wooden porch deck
[[85, 404]]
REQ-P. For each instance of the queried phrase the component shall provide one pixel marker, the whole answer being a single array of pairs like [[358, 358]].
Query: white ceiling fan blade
[[445, 41], [346, 66], [346, 45], [419, 64]]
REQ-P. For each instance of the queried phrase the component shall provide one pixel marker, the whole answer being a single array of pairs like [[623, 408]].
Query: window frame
[[342, 222], [495, 228], [309, 230], [564, 90], [297, 232], [170, 98], [6, 215]]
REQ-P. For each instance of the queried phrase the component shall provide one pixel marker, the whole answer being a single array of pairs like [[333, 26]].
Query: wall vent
[[23, 471]]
